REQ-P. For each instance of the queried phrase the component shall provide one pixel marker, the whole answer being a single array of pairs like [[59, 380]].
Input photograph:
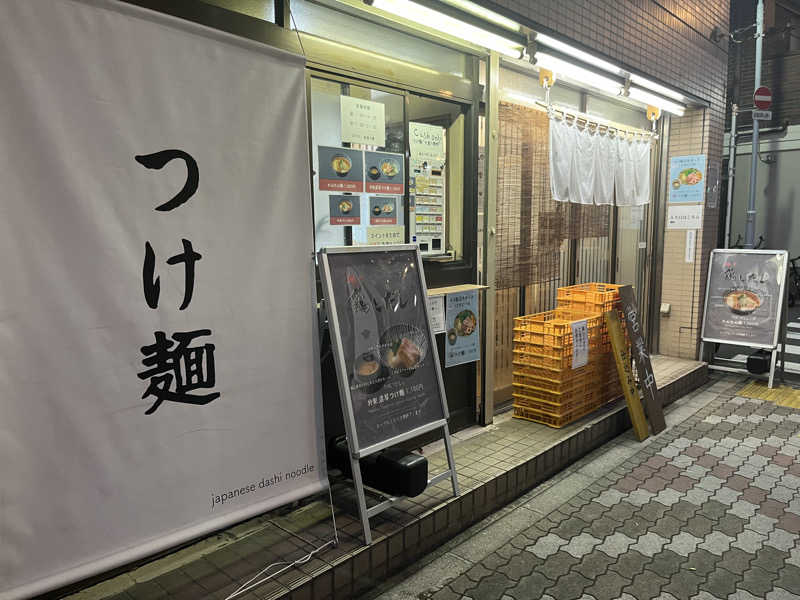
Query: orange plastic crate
[[579, 388], [554, 327], [570, 405], [550, 358], [561, 375], [589, 297], [557, 421], [523, 382]]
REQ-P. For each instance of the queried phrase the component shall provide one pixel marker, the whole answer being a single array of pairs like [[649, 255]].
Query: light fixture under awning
[[429, 17], [478, 26]]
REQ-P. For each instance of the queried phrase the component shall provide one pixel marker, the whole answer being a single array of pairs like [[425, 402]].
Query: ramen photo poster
[[463, 344], [389, 359]]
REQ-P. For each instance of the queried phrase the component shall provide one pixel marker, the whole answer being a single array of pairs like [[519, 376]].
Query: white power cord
[[252, 583]]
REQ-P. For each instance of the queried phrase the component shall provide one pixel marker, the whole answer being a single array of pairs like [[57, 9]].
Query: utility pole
[[750, 228]]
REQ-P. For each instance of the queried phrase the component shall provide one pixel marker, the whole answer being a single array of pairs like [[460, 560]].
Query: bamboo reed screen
[[530, 223]]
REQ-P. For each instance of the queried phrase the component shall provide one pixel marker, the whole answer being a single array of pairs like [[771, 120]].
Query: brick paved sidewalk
[[708, 509]]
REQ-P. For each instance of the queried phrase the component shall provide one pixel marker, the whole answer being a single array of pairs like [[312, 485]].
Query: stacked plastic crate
[[546, 387]]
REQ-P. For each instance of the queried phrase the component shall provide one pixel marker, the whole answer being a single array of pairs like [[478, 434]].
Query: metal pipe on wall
[[750, 227], [737, 79], [731, 173]]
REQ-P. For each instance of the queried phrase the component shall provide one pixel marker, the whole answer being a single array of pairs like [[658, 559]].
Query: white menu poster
[[580, 344], [426, 142], [436, 312], [363, 122]]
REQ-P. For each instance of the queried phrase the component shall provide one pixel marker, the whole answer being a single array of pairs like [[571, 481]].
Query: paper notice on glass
[[580, 344], [426, 142], [363, 122], [436, 313], [691, 241], [636, 217], [385, 235]]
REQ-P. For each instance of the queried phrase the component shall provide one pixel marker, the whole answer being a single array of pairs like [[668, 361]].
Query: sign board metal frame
[[356, 451], [779, 334]]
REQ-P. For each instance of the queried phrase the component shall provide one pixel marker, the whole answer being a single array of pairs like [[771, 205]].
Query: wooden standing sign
[[622, 357], [641, 358]]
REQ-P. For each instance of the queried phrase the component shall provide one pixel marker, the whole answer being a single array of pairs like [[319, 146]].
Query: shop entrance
[[543, 244], [435, 220]]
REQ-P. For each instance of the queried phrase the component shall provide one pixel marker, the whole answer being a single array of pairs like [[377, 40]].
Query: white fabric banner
[[158, 370], [582, 175], [605, 159], [641, 170], [624, 176], [594, 168], [562, 145]]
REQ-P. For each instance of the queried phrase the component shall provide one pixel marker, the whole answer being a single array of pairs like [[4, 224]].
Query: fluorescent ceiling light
[[447, 24], [579, 54], [484, 13], [578, 74], [662, 103], [590, 59], [659, 89]]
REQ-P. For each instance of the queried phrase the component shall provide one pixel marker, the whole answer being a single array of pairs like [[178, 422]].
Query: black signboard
[[647, 379], [387, 363], [744, 297]]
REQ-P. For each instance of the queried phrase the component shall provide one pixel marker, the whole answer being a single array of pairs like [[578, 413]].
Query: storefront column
[[685, 261], [489, 225]]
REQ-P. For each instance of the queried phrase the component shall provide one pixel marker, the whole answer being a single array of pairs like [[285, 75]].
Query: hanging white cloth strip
[[641, 169], [624, 178], [595, 163], [582, 172], [562, 146], [605, 160]]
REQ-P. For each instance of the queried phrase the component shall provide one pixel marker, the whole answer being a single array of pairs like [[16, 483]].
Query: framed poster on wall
[[687, 179]]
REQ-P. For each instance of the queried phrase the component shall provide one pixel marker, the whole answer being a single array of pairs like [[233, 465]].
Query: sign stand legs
[[363, 511], [451, 462], [366, 512], [772, 364]]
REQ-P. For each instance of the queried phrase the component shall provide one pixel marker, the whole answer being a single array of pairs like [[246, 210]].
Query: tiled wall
[[668, 40], [683, 283]]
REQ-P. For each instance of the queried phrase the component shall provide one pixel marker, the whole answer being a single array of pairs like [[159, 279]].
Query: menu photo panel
[[387, 359]]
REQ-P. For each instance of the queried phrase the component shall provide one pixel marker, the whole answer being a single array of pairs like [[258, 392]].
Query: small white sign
[[363, 122], [436, 312], [426, 142], [580, 344], [691, 240], [685, 216], [385, 235], [762, 115], [636, 217]]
